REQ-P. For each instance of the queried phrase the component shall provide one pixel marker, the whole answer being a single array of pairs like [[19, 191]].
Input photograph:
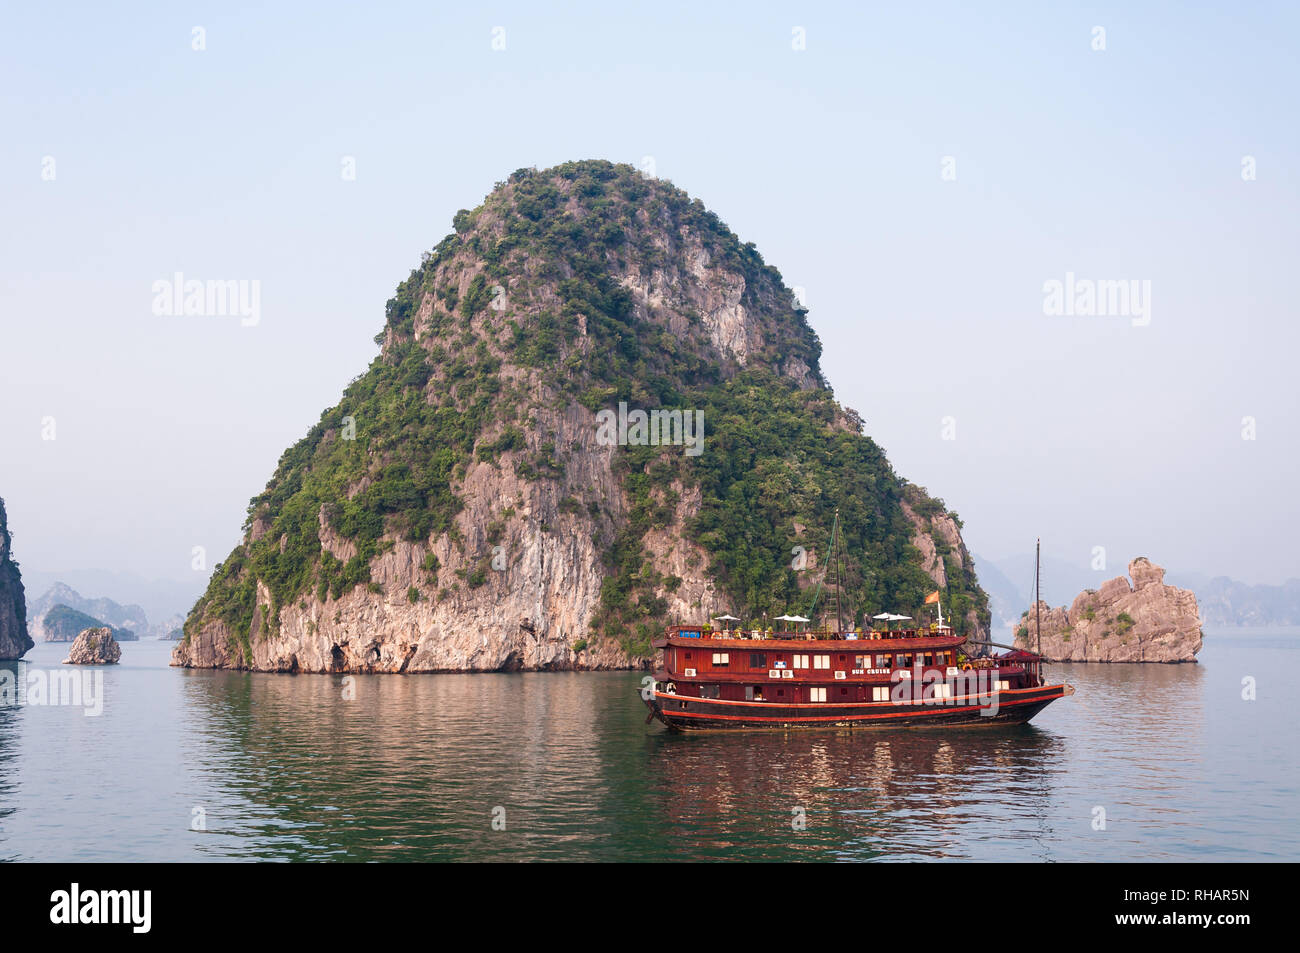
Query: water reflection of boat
[[903, 795]]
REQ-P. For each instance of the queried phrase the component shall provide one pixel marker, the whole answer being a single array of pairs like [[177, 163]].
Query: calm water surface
[[283, 768]]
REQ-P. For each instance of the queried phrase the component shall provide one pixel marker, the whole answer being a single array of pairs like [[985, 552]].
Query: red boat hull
[[685, 713]]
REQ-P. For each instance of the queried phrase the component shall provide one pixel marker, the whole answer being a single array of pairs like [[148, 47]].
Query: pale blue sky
[[927, 294]]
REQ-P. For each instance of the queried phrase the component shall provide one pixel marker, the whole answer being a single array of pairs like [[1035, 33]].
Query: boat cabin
[[825, 667]]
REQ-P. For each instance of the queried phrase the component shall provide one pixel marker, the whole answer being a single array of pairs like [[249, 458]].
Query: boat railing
[[863, 635]]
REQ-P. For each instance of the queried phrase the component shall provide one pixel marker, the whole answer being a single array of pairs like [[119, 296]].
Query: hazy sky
[[927, 291]]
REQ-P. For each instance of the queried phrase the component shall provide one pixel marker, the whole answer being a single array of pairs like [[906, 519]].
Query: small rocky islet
[[1145, 620], [94, 647]]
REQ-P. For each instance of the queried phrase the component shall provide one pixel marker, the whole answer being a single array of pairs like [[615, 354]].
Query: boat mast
[[835, 551], [832, 558], [1038, 597]]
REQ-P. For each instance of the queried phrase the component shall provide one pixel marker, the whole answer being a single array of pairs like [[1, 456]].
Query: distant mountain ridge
[[101, 611], [159, 598], [1226, 601]]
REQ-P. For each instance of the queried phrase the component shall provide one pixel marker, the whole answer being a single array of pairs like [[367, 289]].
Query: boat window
[[817, 694], [721, 658], [709, 691], [800, 661], [821, 661], [757, 660], [880, 693]]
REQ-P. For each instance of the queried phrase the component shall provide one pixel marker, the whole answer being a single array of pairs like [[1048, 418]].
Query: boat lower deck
[[1016, 706]]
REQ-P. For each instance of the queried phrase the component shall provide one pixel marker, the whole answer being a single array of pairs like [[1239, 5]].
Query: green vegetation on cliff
[[532, 302]]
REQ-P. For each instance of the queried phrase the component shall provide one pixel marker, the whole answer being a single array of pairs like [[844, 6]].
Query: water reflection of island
[[10, 746], [412, 768]]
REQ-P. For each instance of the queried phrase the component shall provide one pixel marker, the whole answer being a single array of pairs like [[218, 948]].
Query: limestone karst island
[[459, 509]]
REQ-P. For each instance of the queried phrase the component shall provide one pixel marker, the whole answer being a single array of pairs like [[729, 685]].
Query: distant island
[[63, 624], [101, 610]]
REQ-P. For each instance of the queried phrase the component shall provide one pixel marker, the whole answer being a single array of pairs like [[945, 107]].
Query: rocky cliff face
[[945, 558], [1146, 621], [94, 647], [14, 639], [464, 509]]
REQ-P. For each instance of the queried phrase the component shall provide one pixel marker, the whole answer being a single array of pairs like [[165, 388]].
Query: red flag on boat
[[932, 598]]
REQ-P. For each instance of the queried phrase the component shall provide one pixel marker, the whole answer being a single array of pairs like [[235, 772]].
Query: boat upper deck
[[932, 637]]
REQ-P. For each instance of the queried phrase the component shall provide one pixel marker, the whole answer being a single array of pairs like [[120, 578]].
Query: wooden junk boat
[[909, 678]]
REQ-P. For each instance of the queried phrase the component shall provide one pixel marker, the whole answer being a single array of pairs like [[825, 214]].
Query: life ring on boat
[[967, 667]]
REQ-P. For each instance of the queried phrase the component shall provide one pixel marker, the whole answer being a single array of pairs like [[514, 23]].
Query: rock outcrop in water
[[1146, 621], [94, 647], [14, 639], [464, 507]]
